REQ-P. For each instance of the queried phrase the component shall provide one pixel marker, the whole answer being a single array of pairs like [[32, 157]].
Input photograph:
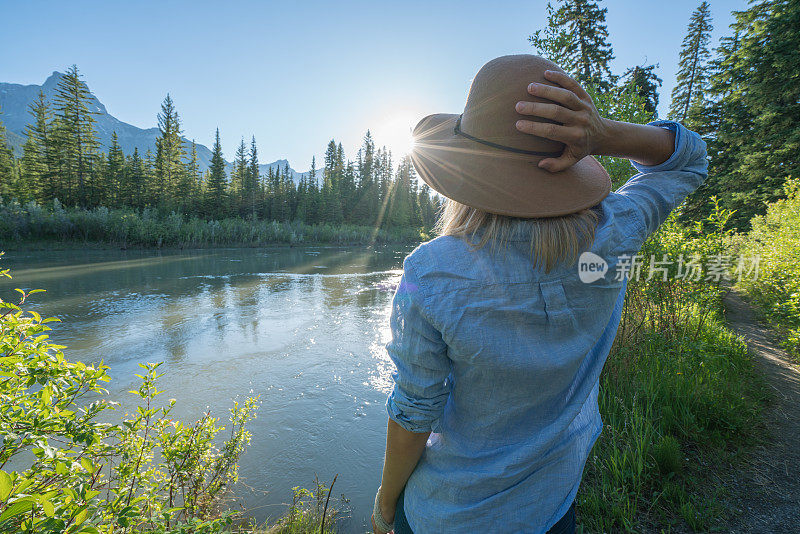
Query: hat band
[[458, 131]]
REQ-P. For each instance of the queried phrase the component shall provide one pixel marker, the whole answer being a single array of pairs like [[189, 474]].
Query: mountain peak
[[52, 79]]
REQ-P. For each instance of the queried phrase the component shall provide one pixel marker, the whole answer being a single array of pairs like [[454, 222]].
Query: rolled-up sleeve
[[420, 356], [658, 189]]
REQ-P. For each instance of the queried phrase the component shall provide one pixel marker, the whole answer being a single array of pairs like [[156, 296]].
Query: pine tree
[[253, 179], [75, 140], [134, 187], [576, 38], [8, 176], [238, 179], [331, 201], [754, 86], [646, 83], [366, 201], [148, 197], [96, 181], [428, 206], [190, 185], [401, 202], [312, 202], [215, 190], [692, 80], [290, 192], [169, 153], [114, 173], [38, 152], [278, 200], [383, 182]]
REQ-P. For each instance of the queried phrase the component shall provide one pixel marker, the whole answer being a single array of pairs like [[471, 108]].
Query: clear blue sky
[[296, 74]]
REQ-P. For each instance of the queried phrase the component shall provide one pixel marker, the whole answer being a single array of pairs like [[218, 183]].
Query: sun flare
[[394, 132]]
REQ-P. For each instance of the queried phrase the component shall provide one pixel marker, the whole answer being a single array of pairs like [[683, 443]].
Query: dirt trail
[[765, 493]]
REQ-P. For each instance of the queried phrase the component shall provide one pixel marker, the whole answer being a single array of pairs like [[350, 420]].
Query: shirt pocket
[[556, 307]]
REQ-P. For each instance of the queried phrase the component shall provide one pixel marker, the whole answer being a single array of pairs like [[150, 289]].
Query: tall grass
[[679, 395], [23, 223]]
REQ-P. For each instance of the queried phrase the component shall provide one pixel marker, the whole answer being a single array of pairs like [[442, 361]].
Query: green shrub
[[775, 240], [307, 512], [71, 473]]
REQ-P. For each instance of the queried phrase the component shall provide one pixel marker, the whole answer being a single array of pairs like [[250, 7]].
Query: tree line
[[742, 96], [62, 159]]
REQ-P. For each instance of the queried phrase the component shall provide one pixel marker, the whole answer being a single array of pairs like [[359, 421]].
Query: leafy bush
[[72, 473], [775, 239]]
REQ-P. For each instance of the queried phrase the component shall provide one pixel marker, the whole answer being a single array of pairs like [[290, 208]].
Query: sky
[[297, 74]]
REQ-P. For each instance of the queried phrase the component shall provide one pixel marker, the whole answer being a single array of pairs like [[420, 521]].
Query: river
[[304, 327]]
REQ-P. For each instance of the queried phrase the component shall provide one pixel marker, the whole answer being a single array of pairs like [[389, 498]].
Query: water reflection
[[303, 326]]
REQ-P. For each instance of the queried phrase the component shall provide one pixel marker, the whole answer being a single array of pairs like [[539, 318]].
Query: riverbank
[[680, 395], [43, 245], [31, 226]]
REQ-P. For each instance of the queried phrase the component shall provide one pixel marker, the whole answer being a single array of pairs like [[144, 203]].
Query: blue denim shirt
[[501, 361]]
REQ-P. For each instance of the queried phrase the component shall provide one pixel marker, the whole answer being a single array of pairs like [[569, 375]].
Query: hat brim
[[499, 181]]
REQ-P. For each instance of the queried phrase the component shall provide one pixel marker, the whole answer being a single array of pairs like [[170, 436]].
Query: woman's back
[[524, 350], [501, 360]]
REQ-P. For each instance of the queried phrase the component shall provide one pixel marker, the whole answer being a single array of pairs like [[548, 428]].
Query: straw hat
[[480, 159]]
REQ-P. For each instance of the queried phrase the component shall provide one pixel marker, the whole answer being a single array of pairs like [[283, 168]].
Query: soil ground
[[763, 494]]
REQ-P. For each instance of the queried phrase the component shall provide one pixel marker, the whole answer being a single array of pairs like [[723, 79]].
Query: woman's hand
[[582, 129]]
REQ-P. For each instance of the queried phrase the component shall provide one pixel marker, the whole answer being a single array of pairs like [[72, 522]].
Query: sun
[[394, 132]]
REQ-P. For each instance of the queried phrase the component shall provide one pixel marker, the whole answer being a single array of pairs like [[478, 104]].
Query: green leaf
[[49, 509], [88, 465], [80, 517], [5, 485], [25, 485], [19, 507]]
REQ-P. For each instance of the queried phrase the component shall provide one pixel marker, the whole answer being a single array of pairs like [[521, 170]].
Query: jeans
[[565, 525]]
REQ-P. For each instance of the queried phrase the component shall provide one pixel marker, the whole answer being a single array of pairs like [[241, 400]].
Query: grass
[[674, 411], [680, 398]]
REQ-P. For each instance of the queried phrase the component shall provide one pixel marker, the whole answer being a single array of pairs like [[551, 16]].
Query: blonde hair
[[554, 240]]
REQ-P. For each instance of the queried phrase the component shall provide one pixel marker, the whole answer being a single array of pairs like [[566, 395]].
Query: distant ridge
[[15, 100]]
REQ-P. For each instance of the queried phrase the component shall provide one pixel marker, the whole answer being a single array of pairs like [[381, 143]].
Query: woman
[[499, 333]]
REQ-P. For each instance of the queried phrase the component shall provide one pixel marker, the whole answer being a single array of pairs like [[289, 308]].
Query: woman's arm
[[417, 401], [671, 160], [403, 451], [584, 131]]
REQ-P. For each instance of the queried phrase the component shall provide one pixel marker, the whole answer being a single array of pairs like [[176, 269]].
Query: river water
[[304, 327]]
